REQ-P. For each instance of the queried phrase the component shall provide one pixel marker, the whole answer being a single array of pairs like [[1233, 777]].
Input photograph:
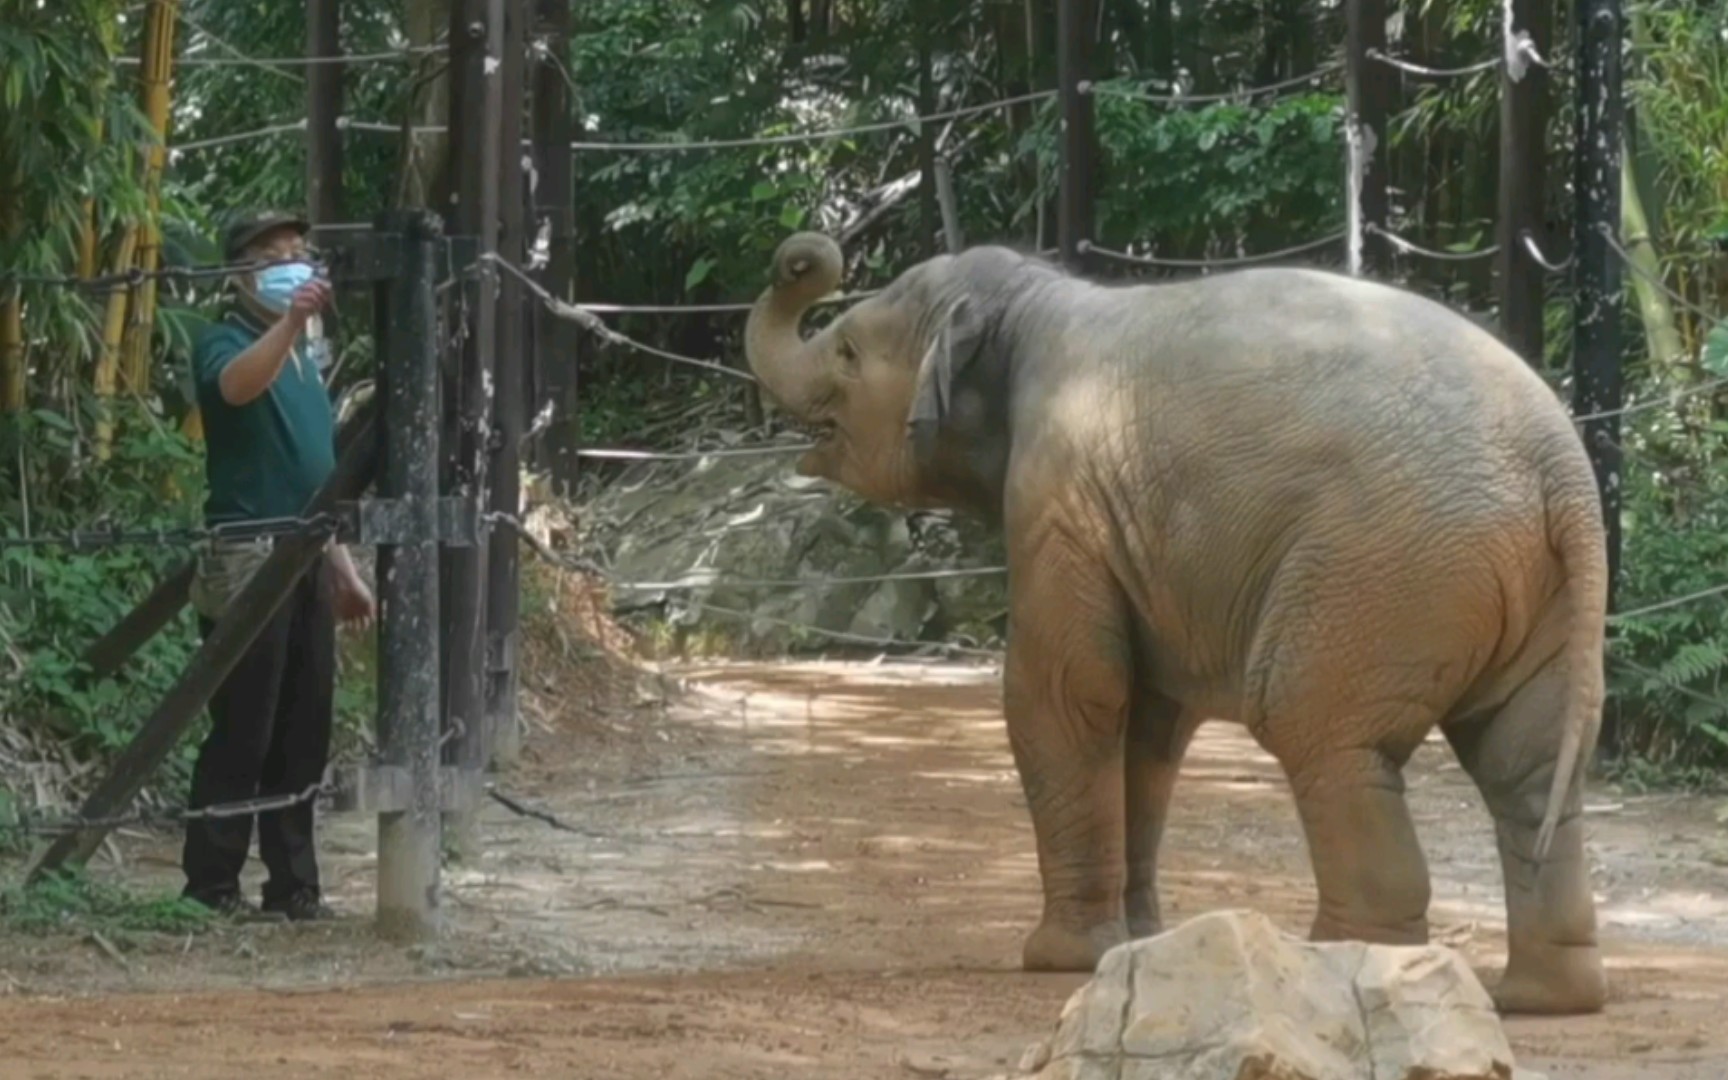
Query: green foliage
[[1223, 179], [1669, 668], [70, 901]]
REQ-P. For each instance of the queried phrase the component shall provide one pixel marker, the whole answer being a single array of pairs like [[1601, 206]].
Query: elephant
[[1323, 507]]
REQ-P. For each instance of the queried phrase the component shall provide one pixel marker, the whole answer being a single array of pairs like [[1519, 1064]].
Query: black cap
[[245, 228]]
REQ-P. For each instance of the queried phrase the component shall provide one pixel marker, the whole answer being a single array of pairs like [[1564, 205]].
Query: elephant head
[[906, 390]]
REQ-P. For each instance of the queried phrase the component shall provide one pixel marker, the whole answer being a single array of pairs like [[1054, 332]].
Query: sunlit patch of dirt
[[810, 870]]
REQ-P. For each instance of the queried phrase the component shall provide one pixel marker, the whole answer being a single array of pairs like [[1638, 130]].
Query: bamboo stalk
[[12, 388], [156, 72], [1661, 333], [108, 362]]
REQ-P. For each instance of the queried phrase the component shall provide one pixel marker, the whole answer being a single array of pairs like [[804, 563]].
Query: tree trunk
[[108, 361]]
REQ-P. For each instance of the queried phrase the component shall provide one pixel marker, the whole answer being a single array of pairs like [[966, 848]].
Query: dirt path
[[776, 884]]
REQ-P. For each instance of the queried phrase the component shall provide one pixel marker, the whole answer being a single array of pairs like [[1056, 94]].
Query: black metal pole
[[323, 109], [476, 40], [555, 339], [928, 214], [1597, 274], [1524, 182], [1368, 91], [503, 571], [1074, 210], [408, 664]]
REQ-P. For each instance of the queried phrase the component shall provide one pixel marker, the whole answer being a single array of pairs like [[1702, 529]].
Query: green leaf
[[1715, 355], [791, 216], [698, 272]]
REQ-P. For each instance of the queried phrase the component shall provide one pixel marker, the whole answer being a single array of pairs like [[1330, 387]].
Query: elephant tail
[[1577, 534]]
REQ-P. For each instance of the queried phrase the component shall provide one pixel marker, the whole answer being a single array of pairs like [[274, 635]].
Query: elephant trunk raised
[[806, 268]]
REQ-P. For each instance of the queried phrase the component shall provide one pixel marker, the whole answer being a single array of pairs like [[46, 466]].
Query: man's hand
[[251, 372], [350, 595], [307, 301]]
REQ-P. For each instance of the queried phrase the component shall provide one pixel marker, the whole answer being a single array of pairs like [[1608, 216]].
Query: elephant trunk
[[807, 267]]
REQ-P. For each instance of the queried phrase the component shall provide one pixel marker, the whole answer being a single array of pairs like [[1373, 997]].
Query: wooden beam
[[233, 633], [556, 341], [323, 109]]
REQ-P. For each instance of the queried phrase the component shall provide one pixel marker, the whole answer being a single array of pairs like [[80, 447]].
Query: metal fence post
[[1075, 211], [1368, 87], [408, 662], [1524, 181], [1597, 298]]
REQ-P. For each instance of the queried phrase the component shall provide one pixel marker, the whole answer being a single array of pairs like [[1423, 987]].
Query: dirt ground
[[818, 870]]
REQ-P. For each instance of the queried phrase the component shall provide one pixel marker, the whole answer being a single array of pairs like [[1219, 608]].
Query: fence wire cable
[[1234, 260], [1528, 239], [1665, 605], [740, 307], [813, 136], [241, 808], [1419, 70], [1428, 253], [136, 276], [239, 55], [1670, 399], [1683, 691], [692, 455], [91, 538], [273, 63], [846, 636], [593, 324], [1655, 280], [1242, 94]]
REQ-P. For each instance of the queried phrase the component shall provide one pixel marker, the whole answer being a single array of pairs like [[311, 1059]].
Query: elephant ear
[[958, 335]]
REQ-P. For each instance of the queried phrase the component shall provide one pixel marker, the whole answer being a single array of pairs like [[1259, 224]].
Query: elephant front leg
[[1066, 695], [1158, 736]]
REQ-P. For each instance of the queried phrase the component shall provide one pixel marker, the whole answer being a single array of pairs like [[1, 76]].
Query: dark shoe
[[228, 904], [303, 905]]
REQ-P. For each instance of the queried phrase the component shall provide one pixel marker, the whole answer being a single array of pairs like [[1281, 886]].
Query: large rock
[[703, 524], [1227, 996]]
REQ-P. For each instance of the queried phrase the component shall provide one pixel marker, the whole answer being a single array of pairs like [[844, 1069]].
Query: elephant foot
[[1053, 947], [1144, 919], [1553, 980]]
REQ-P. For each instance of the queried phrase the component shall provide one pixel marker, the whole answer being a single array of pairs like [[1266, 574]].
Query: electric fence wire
[[1087, 246], [1243, 94], [90, 538], [137, 276], [241, 808], [1410, 248], [1409, 68]]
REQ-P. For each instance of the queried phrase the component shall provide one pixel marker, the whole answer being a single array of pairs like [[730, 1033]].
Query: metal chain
[[136, 276], [242, 808], [93, 538]]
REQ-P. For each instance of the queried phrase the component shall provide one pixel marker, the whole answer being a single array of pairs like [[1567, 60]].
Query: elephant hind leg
[[1159, 731], [1368, 864], [1554, 964]]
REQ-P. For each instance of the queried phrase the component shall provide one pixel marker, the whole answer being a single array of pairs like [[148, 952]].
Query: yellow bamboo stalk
[[156, 70], [12, 388], [108, 362]]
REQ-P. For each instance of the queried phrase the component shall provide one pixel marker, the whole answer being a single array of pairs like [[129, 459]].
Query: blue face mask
[[275, 285]]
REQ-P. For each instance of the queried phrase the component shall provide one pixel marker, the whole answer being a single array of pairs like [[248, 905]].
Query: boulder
[[1227, 996], [691, 530]]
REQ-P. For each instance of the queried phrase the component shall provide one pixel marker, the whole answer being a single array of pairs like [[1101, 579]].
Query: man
[[270, 445]]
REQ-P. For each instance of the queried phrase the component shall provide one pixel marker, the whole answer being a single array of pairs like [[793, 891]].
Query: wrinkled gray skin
[[1326, 509]]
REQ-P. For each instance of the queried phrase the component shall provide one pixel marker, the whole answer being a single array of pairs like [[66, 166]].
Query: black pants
[[269, 735]]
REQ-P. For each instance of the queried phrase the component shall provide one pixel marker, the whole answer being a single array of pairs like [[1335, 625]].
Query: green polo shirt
[[268, 457]]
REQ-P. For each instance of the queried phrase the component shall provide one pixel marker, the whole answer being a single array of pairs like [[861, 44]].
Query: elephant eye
[[848, 354]]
